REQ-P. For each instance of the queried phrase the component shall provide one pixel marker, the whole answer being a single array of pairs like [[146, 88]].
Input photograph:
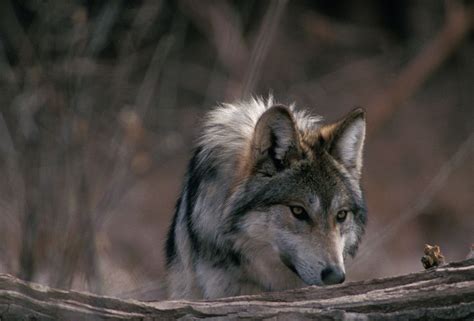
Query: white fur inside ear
[[350, 146]]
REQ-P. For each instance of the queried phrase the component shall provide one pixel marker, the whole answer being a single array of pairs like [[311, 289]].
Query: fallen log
[[443, 293]]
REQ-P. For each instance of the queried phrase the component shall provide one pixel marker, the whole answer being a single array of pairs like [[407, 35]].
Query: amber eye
[[341, 215], [299, 213]]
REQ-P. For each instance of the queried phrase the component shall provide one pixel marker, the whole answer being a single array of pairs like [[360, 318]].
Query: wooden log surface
[[443, 293]]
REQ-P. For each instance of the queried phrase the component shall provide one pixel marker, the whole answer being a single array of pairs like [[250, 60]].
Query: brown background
[[101, 101]]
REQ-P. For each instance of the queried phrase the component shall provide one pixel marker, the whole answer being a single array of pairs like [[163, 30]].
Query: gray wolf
[[271, 201]]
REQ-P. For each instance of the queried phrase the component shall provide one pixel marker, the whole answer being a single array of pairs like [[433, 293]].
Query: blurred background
[[101, 102]]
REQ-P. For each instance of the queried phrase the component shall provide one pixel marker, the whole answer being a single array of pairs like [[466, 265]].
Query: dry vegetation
[[101, 101]]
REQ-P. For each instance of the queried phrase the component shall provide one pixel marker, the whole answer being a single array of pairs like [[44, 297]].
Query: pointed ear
[[275, 142], [345, 140]]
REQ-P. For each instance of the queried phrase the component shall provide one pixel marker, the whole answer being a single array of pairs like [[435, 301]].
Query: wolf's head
[[298, 201]]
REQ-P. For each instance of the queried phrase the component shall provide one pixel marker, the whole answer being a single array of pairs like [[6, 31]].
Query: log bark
[[443, 293]]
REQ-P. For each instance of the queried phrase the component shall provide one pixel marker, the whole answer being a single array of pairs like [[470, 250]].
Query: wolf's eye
[[341, 215], [299, 213]]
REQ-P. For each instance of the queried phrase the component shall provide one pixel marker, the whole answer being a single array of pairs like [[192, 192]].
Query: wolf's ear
[[275, 142], [345, 140]]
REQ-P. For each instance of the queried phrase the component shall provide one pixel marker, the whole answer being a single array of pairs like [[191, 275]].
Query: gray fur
[[234, 232]]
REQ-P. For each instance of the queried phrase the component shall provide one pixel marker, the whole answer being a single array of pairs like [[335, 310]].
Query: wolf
[[271, 200]]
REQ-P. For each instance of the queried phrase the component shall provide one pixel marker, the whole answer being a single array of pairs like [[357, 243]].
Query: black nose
[[332, 275]]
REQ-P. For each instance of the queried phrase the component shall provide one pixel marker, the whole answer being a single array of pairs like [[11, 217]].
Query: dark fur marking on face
[[287, 261], [253, 199]]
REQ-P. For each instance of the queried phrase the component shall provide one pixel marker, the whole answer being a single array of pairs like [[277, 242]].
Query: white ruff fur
[[229, 128]]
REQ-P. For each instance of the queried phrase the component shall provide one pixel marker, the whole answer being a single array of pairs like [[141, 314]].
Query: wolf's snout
[[332, 275]]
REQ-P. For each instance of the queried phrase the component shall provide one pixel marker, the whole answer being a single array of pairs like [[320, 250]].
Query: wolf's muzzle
[[332, 274]]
